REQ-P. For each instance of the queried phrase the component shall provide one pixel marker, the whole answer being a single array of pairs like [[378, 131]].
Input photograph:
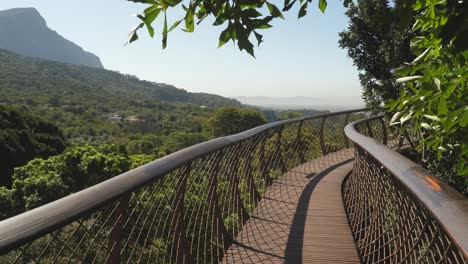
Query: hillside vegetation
[[95, 105]]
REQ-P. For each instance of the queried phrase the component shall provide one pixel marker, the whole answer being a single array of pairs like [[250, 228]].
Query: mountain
[[25, 31], [335, 103], [24, 77]]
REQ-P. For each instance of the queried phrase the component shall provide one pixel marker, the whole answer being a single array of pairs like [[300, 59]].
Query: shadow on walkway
[[293, 253]]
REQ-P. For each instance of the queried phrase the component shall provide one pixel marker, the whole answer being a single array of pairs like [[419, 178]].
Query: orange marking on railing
[[434, 184], [431, 182]]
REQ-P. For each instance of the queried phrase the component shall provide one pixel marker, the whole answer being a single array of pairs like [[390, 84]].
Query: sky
[[299, 57]]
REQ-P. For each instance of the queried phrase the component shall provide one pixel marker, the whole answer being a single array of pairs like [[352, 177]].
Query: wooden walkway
[[301, 218]]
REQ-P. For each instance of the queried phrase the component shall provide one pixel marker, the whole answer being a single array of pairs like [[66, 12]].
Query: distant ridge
[[333, 103], [25, 31], [23, 77]]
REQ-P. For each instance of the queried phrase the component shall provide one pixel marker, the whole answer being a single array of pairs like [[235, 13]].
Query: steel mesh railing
[[186, 207], [398, 212], [191, 205]]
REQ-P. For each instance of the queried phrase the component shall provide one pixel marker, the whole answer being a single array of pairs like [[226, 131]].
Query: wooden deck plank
[[301, 218]]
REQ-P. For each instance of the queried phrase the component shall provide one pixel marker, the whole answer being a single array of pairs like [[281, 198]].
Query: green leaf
[[347, 2], [426, 126], [303, 10], [189, 21], [437, 83], [322, 5], [442, 109], [420, 57], [449, 90], [220, 20], [395, 117], [259, 38], [405, 118], [251, 13], [288, 5], [133, 37], [432, 117], [150, 17], [245, 44], [164, 40], [225, 36], [174, 26], [463, 172], [408, 79], [151, 9], [274, 11], [464, 119], [442, 149]]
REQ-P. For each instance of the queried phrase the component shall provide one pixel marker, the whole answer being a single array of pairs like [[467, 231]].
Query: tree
[[179, 140], [434, 92], [24, 137], [377, 47], [41, 181], [230, 120]]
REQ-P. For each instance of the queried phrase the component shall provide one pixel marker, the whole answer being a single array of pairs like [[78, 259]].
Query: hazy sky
[[298, 57]]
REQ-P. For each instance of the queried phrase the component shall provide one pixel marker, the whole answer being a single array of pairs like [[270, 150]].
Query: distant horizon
[[302, 102]]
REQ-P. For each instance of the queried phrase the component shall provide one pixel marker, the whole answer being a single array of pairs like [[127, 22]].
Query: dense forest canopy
[[24, 137]]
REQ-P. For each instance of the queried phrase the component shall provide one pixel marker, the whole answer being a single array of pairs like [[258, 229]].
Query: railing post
[[252, 187], [181, 251], [279, 153], [344, 135], [321, 137], [299, 142], [115, 237], [263, 164], [234, 184], [250, 182], [213, 205], [384, 131], [369, 130]]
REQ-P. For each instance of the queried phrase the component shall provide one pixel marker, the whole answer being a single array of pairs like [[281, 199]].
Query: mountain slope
[[29, 76], [29, 35]]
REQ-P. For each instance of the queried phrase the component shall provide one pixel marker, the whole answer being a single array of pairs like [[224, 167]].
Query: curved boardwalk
[[300, 218]]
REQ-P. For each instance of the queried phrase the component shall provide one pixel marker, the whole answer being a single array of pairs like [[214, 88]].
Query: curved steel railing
[[185, 207], [398, 211], [190, 205]]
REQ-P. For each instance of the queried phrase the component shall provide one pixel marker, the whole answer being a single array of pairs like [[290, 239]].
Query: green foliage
[[41, 181], [24, 137], [141, 159], [179, 140], [94, 106], [434, 91], [290, 115], [230, 120], [377, 47], [242, 20]]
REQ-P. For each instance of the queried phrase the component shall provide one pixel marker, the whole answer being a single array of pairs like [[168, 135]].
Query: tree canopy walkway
[[292, 191], [300, 218]]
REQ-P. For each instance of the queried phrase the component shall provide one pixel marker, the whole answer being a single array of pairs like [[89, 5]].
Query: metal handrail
[[444, 203], [28, 226]]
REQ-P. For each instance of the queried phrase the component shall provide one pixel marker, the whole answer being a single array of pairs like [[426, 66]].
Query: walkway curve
[[301, 218]]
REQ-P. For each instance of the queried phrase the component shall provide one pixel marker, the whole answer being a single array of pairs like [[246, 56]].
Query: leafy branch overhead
[[243, 19]]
